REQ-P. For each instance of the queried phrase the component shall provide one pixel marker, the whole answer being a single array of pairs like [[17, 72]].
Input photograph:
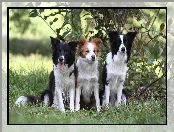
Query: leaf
[[41, 10], [52, 14], [33, 13], [55, 19], [150, 61], [60, 37], [58, 31], [162, 26], [65, 33], [55, 13], [51, 23], [45, 17]]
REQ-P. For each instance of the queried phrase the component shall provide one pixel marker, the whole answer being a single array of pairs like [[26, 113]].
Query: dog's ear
[[73, 45], [82, 42], [98, 42], [112, 34], [131, 35], [54, 42]]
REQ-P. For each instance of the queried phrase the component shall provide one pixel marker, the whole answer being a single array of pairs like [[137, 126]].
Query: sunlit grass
[[33, 61]]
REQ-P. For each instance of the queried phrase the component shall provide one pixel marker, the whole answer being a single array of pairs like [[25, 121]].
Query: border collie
[[62, 78], [115, 68], [87, 91]]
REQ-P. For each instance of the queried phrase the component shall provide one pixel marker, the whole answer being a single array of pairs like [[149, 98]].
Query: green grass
[[29, 75]]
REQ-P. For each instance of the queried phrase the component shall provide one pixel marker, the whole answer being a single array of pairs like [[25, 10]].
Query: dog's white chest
[[87, 72], [116, 69], [87, 77], [64, 77]]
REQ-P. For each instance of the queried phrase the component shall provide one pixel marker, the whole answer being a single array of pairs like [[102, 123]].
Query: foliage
[[148, 59], [20, 20]]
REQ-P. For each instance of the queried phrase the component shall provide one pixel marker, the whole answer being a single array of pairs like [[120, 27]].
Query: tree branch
[[47, 23], [137, 94]]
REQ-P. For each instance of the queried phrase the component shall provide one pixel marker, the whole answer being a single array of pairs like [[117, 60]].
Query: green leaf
[[41, 10], [150, 61], [60, 37], [58, 31], [55, 13], [65, 33], [45, 17], [162, 26], [51, 23], [33, 13], [55, 19]]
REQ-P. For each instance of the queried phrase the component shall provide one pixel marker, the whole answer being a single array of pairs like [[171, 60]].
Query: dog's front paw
[[98, 109], [77, 108], [62, 110], [72, 110], [55, 106], [106, 106], [117, 104]]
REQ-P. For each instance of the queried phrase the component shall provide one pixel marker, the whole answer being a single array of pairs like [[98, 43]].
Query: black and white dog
[[115, 68], [62, 78]]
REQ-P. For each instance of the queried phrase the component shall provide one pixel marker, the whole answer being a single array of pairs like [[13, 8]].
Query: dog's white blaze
[[22, 100], [91, 53], [90, 47], [121, 37]]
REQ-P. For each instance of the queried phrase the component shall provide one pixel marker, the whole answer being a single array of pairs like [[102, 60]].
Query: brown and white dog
[[87, 91]]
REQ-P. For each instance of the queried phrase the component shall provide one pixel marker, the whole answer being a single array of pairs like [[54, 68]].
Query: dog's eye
[[124, 40], [87, 51], [94, 51]]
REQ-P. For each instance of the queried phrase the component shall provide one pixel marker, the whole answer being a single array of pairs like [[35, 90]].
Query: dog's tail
[[46, 97]]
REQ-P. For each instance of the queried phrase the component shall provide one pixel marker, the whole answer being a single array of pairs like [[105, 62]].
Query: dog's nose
[[93, 57], [123, 49], [61, 59]]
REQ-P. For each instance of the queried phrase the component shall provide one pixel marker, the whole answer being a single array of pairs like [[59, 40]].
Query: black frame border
[[8, 8]]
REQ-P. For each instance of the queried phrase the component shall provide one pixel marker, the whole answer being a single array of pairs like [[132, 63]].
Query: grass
[[29, 75]]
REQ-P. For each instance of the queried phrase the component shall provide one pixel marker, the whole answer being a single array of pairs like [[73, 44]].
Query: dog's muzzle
[[93, 58], [61, 59], [123, 49]]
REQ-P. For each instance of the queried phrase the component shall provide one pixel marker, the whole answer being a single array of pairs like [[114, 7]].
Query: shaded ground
[[27, 47]]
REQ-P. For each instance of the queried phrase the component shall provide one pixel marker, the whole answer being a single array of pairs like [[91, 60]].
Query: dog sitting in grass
[[87, 91], [115, 68], [62, 78]]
